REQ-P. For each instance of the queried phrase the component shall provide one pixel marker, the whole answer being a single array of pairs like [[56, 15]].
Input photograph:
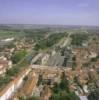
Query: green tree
[[40, 80], [61, 90], [18, 56], [94, 95], [56, 88], [33, 98], [25, 78], [22, 98]]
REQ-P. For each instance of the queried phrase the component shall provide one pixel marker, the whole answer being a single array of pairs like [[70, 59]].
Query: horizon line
[[47, 24]]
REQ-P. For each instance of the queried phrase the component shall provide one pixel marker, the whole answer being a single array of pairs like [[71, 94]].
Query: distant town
[[49, 62]]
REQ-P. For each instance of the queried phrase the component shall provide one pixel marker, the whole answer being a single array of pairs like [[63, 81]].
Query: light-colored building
[[4, 65], [45, 59]]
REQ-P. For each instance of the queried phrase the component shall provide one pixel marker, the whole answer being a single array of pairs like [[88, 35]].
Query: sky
[[62, 12]]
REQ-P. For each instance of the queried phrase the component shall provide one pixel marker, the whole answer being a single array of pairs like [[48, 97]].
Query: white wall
[[13, 87], [8, 93], [18, 84]]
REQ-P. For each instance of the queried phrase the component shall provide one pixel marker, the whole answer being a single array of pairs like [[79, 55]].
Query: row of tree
[[50, 41], [78, 39]]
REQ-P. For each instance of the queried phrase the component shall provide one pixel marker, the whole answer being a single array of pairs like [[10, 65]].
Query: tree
[[65, 61], [94, 95], [40, 80], [13, 71], [64, 96], [56, 88], [25, 78], [55, 97], [64, 85], [33, 98], [78, 39], [22, 98], [61, 90], [74, 62], [18, 56]]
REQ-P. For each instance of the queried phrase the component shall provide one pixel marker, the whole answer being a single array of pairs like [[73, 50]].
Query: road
[[67, 41]]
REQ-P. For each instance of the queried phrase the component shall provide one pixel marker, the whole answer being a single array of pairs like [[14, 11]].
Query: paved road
[[67, 41]]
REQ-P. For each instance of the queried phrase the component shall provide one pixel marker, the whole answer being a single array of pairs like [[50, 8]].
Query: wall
[[13, 87], [8, 93]]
